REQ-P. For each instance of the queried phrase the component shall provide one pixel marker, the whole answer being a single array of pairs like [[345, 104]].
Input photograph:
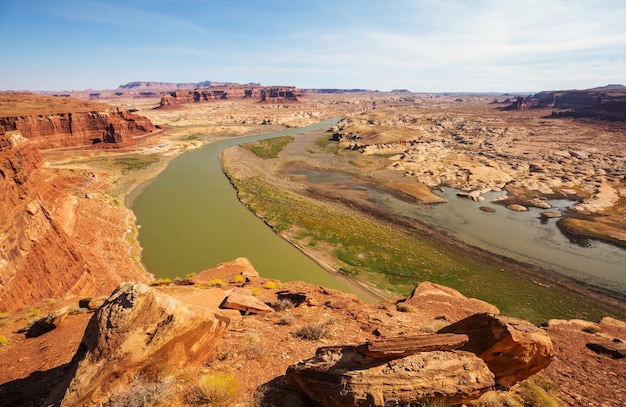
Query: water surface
[[191, 220]]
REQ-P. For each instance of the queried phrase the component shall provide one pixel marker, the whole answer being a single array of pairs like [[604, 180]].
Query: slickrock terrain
[[52, 122], [137, 345]]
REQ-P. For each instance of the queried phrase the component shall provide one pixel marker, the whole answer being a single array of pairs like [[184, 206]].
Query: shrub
[[216, 390], [239, 279], [3, 340], [312, 332], [140, 393], [282, 304], [256, 291], [405, 307], [270, 285], [537, 391], [216, 282], [286, 319], [34, 312]]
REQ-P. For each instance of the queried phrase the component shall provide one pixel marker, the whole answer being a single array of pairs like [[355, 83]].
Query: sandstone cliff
[[254, 92], [46, 249], [50, 122]]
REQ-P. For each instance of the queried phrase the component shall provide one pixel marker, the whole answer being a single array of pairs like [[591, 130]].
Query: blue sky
[[420, 45]]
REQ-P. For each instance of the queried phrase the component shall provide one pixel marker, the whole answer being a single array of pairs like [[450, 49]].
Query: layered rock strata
[[136, 327], [258, 93], [50, 122]]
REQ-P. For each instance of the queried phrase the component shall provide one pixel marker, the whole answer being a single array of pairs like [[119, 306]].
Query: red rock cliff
[[42, 243], [255, 92], [50, 122]]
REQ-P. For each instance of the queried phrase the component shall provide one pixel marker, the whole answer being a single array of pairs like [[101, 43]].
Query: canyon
[[67, 241]]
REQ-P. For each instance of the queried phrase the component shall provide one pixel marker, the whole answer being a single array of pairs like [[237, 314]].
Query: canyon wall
[[254, 92], [56, 239], [50, 122]]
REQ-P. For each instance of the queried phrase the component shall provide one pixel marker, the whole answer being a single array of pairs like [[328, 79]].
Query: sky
[[419, 45]]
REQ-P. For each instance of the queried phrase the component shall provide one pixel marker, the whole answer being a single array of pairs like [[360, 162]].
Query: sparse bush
[[3, 340], [286, 319], [406, 307], [538, 391], [239, 279], [497, 399], [34, 312], [216, 390], [282, 304], [270, 285], [216, 282], [256, 291], [161, 281], [312, 332], [141, 393]]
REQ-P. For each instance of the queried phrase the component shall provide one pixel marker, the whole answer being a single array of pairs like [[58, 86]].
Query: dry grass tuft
[[217, 390]]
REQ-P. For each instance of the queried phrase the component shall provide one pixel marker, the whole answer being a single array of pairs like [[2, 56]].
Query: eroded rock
[[343, 376], [136, 327], [512, 348]]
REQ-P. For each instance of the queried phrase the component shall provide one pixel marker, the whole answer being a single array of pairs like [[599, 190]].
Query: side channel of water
[[191, 220]]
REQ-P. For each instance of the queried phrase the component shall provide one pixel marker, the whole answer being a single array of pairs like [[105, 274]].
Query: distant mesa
[[232, 91], [604, 103]]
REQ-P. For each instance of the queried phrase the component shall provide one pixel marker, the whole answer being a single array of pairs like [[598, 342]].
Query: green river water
[[190, 220]]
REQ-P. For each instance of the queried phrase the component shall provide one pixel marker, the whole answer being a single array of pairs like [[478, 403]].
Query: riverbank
[[546, 286]]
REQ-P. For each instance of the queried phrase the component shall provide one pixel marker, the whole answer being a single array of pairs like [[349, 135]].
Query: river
[[190, 220]]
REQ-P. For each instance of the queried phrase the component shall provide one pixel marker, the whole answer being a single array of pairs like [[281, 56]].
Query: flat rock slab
[[241, 300], [404, 346], [615, 349], [344, 377]]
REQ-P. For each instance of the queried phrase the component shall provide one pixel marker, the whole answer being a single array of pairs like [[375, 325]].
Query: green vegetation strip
[[268, 148], [399, 260]]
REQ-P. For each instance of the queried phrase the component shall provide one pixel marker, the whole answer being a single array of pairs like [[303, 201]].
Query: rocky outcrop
[[52, 124], [34, 249], [254, 92], [456, 365], [349, 376], [46, 249], [138, 326], [512, 348]]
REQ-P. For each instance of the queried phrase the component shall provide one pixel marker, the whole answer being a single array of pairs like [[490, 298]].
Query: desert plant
[[256, 291], [538, 391], [34, 312], [3, 340], [406, 307], [239, 279], [282, 304], [270, 285], [141, 392], [216, 390], [286, 319], [216, 282], [312, 332]]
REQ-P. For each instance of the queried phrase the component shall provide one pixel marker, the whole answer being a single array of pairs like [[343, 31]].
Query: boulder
[[137, 327], [512, 348], [434, 300], [342, 376], [517, 208], [615, 349], [47, 323], [242, 300]]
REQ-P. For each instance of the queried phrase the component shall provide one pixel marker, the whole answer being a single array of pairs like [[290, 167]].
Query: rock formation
[[50, 122], [138, 326], [233, 91], [33, 247], [447, 366], [513, 349], [344, 376]]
